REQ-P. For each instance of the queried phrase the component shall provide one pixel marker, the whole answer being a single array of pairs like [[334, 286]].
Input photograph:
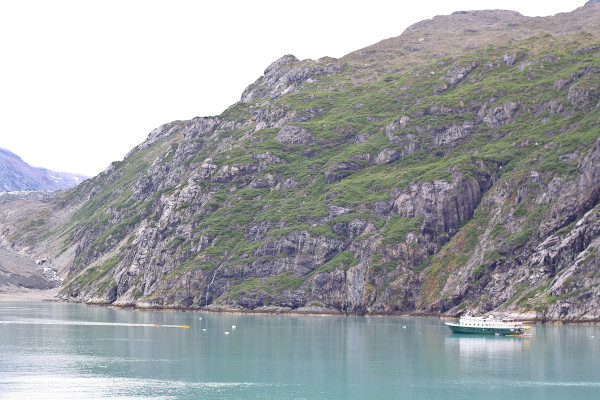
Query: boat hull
[[455, 328]]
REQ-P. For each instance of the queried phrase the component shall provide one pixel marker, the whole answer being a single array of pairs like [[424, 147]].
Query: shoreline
[[50, 295], [29, 295], [275, 311]]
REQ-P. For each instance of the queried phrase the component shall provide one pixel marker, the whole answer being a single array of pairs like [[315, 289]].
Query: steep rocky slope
[[453, 168], [17, 175], [18, 272], [20, 269]]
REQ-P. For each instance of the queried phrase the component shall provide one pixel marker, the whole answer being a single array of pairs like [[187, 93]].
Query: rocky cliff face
[[408, 176], [17, 175], [20, 214]]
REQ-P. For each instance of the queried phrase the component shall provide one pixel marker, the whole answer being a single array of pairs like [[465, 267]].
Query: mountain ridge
[[17, 175], [444, 175]]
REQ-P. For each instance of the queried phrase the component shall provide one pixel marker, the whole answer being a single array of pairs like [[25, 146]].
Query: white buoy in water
[[227, 333]]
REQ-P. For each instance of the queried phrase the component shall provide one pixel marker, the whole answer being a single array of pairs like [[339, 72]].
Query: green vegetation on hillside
[[378, 180]]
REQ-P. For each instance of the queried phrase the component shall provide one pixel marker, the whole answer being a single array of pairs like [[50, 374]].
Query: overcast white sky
[[84, 81]]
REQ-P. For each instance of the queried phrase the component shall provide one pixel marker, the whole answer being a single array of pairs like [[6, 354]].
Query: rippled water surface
[[73, 351]]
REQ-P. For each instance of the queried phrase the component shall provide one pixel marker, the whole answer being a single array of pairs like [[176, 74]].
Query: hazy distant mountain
[[17, 175]]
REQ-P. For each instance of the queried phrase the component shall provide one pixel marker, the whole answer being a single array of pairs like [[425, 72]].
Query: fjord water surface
[[73, 351]]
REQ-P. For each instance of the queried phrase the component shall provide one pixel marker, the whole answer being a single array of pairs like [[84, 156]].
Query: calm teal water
[[72, 351]]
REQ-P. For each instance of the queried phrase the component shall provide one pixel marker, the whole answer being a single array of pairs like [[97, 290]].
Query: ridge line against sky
[[83, 82]]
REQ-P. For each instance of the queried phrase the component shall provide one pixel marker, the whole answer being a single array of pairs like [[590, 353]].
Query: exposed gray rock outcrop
[[290, 134], [285, 75]]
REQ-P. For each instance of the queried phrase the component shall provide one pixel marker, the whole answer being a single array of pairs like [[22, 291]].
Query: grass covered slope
[[429, 172]]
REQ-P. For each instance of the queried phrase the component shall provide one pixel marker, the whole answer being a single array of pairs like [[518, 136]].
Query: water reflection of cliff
[[488, 346]]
